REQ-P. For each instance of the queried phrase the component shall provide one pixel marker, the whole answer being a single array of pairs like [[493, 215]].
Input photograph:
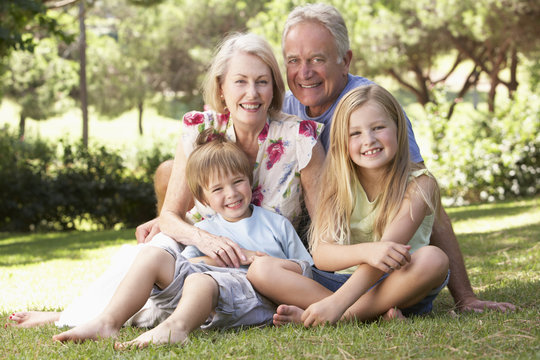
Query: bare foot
[[393, 314], [286, 314], [92, 330], [29, 319], [164, 333]]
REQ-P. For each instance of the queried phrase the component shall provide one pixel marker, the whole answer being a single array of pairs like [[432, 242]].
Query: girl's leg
[[29, 319], [198, 301], [282, 282], [152, 266], [403, 288]]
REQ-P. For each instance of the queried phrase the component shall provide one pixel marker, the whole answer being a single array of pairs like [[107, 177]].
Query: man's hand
[[477, 305], [145, 232]]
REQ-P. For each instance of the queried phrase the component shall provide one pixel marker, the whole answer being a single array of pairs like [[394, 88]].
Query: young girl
[[374, 220]]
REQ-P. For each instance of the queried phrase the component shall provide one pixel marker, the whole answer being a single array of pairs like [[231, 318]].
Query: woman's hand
[[145, 232], [222, 250], [387, 256]]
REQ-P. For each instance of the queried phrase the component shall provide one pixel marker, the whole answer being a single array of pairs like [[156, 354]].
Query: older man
[[316, 50]]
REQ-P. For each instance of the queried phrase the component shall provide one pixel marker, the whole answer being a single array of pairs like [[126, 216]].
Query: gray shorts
[[238, 303]]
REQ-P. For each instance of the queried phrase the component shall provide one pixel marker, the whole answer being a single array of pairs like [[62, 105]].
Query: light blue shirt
[[291, 105], [263, 231]]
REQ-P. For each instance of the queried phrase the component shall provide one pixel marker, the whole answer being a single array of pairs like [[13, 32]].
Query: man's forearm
[[443, 237]]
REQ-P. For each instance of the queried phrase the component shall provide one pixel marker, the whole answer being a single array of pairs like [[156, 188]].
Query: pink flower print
[[264, 133], [193, 118], [308, 128], [222, 119], [257, 197], [274, 151]]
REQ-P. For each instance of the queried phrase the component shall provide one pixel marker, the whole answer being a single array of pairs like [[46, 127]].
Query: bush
[[487, 157], [59, 186]]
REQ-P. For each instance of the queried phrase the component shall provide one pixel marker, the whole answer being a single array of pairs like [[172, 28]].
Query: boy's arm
[[249, 254]]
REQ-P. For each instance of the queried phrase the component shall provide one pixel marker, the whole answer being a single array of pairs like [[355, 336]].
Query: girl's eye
[[263, 82], [240, 81], [378, 127], [216, 190]]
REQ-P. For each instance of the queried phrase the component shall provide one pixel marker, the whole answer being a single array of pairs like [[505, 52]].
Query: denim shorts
[[333, 281]]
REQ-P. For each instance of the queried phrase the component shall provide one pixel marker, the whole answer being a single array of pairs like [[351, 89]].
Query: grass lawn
[[500, 243]]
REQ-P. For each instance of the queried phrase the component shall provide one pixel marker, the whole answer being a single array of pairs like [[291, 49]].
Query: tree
[[40, 82]]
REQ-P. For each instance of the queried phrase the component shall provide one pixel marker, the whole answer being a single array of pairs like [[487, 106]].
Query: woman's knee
[[161, 177]]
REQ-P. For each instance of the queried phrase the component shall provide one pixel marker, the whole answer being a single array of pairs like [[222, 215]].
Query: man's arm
[[443, 237]]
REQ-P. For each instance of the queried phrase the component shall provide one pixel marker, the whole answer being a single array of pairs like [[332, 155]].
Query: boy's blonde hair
[[214, 156], [340, 180]]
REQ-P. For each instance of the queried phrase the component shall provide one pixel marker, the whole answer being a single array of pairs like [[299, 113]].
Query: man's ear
[[347, 60]]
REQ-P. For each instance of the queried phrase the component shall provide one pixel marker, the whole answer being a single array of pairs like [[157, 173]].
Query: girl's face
[[247, 89], [229, 195], [372, 137]]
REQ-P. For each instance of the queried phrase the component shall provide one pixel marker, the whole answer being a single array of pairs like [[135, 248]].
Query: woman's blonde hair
[[214, 156], [233, 44], [340, 180]]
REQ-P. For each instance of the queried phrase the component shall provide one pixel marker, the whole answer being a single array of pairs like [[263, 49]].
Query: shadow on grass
[[517, 239], [26, 249], [491, 211]]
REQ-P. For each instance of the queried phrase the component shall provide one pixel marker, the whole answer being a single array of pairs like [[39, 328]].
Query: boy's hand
[[388, 256], [250, 256]]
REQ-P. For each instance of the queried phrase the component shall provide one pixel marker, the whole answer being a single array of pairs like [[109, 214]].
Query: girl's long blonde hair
[[331, 222]]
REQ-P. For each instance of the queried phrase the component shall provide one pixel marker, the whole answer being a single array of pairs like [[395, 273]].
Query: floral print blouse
[[285, 148]]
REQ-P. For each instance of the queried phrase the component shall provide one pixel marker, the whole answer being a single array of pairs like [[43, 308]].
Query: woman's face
[[247, 90]]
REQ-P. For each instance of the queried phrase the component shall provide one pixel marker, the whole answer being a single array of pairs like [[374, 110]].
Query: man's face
[[315, 74]]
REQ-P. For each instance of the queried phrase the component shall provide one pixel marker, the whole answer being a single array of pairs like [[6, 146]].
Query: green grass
[[499, 242]]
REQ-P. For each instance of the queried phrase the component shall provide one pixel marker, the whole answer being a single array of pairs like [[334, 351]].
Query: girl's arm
[[172, 221], [413, 210]]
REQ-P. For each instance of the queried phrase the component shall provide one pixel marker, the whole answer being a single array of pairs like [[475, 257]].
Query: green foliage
[[60, 186], [40, 82], [483, 156]]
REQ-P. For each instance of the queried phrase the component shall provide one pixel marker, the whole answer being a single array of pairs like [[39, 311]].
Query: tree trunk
[[141, 108], [22, 125], [82, 73]]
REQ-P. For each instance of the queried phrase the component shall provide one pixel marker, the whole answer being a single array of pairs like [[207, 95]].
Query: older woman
[[245, 88]]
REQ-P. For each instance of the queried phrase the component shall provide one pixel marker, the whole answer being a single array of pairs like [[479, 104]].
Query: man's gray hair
[[324, 14]]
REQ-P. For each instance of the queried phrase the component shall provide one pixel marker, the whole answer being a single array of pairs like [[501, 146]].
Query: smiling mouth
[[309, 86], [372, 151], [234, 204], [250, 106]]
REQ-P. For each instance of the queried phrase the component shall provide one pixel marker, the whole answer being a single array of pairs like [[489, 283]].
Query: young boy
[[196, 293]]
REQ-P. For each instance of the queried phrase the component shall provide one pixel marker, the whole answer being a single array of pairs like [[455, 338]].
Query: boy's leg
[[198, 301], [282, 282], [152, 266]]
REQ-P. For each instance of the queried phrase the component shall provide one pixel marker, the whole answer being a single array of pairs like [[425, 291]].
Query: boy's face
[[229, 195]]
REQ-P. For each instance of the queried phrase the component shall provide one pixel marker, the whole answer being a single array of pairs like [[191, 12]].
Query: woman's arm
[[172, 221]]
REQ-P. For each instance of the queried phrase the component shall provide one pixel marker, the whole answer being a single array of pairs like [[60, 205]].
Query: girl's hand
[[322, 312], [222, 250], [387, 256]]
